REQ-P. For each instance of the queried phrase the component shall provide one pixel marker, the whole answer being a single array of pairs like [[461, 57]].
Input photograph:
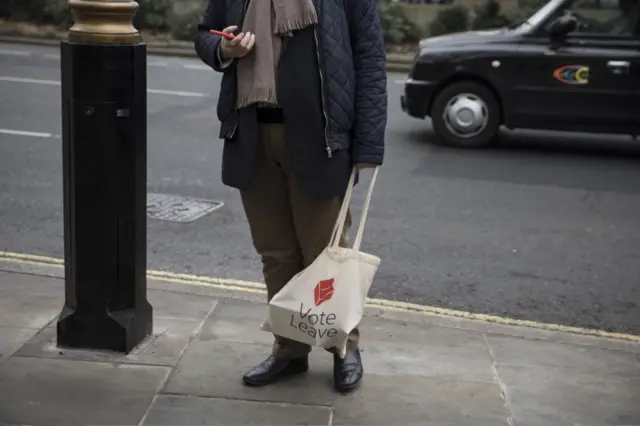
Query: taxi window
[[616, 18]]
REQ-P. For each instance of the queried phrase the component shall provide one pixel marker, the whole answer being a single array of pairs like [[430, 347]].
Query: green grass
[[423, 14]]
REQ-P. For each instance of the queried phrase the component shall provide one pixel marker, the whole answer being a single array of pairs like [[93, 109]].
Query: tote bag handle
[[338, 228]]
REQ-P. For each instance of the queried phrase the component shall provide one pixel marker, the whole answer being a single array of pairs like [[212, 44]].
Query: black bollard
[[104, 129]]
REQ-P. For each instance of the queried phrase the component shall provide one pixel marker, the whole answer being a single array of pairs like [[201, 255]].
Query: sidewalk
[[420, 370]]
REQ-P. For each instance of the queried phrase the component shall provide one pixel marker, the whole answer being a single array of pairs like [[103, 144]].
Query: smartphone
[[228, 36]]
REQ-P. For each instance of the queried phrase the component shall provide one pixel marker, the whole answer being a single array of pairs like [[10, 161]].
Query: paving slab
[[395, 348], [422, 321], [213, 368], [52, 271], [522, 352], [540, 396], [163, 347], [12, 338], [47, 392], [415, 400], [177, 318], [171, 410], [419, 370], [388, 347], [173, 305], [237, 321], [28, 301], [488, 327]]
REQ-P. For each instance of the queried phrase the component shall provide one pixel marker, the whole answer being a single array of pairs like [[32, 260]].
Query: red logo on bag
[[323, 291]]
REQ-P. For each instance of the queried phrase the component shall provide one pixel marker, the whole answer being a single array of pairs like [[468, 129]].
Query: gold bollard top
[[106, 22]]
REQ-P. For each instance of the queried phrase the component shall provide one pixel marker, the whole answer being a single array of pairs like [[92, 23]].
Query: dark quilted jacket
[[352, 63]]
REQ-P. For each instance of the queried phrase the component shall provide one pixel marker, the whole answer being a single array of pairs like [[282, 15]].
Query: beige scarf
[[257, 72]]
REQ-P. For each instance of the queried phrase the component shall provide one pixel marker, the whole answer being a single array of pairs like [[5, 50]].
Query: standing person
[[303, 100]]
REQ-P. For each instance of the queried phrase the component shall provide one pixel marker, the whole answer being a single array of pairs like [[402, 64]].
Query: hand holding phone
[[234, 46], [228, 36]]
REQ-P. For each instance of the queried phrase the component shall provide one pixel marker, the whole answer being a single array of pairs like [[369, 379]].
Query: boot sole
[[347, 389]]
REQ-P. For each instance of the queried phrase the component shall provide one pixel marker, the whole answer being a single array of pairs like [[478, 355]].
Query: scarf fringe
[[258, 96], [306, 20], [257, 73]]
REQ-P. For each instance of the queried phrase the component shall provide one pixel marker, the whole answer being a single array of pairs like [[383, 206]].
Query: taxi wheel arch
[[475, 92]]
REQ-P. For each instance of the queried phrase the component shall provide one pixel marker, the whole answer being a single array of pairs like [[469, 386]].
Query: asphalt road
[[542, 227]]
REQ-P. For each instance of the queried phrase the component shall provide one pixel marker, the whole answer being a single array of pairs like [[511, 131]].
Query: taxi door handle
[[618, 67]]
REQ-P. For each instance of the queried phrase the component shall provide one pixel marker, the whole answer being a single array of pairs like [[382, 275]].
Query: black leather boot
[[271, 370], [347, 372]]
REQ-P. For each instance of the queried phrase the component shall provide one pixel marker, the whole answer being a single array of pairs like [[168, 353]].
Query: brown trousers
[[288, 228]]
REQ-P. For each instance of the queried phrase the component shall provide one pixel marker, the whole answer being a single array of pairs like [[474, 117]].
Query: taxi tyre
[[480, 92]]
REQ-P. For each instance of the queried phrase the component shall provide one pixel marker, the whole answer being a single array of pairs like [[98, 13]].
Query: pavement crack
[[278, 402], [151, 404], [504, 392]]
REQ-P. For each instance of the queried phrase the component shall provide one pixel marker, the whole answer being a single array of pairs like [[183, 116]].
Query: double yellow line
[[388, 305]]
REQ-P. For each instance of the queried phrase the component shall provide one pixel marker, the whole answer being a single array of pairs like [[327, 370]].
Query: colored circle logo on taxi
[[572, 74]]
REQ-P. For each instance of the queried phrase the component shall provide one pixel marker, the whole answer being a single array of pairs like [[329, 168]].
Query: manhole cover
[[176, 208]]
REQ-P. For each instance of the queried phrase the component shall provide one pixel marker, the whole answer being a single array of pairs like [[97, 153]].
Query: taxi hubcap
[[466, 115]]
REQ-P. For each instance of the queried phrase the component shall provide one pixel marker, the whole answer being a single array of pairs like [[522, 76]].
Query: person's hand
[[362, 166], [239, 46]]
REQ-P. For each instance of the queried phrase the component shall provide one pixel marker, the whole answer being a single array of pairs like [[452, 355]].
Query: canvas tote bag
[[322, 304]]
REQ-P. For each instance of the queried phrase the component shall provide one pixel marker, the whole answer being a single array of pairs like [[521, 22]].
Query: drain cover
[[176, 208]]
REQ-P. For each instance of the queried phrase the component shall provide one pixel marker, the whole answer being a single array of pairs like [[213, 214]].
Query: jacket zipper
[[235, 127], [324, 112]]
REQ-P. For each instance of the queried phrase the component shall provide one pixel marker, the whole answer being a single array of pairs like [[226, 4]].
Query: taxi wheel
[[465, 115]]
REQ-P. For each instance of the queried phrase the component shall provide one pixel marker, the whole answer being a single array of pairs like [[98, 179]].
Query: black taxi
[[574, 65]]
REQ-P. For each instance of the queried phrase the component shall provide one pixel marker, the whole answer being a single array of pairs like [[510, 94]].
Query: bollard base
[[104, 138], [118, 332]]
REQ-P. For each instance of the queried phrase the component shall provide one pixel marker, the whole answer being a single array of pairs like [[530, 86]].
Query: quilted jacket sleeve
[[207, 45], [369, 58]]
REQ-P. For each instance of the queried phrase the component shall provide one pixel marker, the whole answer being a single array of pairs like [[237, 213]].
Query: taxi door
[[598, 83], [588, 81]]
